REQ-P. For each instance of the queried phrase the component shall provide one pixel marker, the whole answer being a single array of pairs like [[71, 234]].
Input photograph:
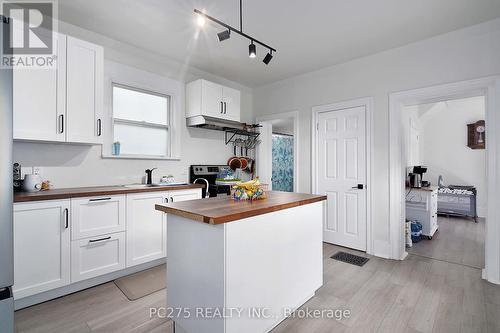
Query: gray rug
[[143, 283]]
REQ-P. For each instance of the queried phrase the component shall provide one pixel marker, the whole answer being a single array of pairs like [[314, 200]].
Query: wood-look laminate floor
[[458, 240], [415, 295]]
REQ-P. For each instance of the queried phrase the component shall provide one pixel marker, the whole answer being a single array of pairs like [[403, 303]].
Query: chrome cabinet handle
[[99, 127], [172, 199], [61, 123], [225, 107], [99, 239], [99, 199], [66, 218], [221, 107]]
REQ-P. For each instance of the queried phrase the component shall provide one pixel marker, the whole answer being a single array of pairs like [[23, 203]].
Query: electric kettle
[[32, 183]]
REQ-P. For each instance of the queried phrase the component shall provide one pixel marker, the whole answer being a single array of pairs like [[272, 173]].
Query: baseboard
[[78, 286]]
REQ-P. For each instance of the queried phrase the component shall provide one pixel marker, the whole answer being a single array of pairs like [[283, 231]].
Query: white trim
[[366, 102], [488, 87], [294, 115]]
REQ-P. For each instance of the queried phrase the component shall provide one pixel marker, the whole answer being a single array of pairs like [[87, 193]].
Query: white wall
[[444, 129], [75, 165], [465, 54]]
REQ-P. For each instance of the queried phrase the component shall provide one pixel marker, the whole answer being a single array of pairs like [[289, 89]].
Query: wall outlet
[[37, 170], [26, 171]]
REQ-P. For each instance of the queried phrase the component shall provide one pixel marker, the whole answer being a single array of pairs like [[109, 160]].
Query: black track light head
[[222, 36], [268, 57], [252, 50]]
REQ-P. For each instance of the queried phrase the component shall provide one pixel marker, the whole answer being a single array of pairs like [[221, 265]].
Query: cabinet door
[[84, 91], [39, 99], [146, 228], [96, 256], [41, 247], [97, 216], [211, 99], [184, 195], [232, 106]]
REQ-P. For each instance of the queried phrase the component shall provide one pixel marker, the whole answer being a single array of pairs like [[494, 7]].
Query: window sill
[[140, 157]]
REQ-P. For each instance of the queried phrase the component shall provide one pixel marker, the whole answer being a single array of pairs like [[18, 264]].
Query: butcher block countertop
[[79, 192], [224, 209]]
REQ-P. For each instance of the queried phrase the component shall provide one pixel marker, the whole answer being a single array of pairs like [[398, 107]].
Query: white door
[[341, 167], [231, 99], [211, 99], [84, 91], [41, 247], [39, 99], [146, 228]]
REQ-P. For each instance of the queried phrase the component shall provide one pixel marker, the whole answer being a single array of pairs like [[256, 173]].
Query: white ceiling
[[308, 35]]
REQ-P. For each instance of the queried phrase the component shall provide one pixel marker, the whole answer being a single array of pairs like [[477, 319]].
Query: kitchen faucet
[[149, 176]]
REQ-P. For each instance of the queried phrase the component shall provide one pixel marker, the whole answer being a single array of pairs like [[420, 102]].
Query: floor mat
[[143, 283], [350, 258]]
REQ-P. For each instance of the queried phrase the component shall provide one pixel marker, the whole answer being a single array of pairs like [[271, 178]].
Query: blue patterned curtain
[[282, 163]]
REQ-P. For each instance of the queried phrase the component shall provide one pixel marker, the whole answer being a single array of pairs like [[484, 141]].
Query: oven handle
[[207, 193]]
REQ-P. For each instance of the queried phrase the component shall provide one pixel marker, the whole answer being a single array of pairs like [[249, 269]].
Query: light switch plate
[[37, 170]]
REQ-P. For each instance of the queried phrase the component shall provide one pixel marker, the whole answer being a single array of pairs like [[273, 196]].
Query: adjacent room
[[446, 185], [236, 166]]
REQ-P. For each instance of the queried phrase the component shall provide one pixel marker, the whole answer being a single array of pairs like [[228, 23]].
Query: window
[[141, 122]]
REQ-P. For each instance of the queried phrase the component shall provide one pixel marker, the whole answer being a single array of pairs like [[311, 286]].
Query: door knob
[[358, 187]]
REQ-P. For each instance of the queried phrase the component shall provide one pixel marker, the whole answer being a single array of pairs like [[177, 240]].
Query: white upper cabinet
[[205, 98], [63, 104], [39, 107], [84, 91], [232, 103]]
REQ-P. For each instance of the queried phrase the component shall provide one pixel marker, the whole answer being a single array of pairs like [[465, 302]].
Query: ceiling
[[308, 35]]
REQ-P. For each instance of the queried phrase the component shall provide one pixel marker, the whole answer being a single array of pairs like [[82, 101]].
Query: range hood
[[215, 123]]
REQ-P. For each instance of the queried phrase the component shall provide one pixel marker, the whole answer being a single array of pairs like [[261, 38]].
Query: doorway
[[341, 170], [277, 153], [446, 208], [488, 87]]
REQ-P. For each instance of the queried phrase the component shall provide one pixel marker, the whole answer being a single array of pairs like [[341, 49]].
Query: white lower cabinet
[[91, 257], [41, 247], [184, 195], [97, 216], [59, 242], [146, 228]]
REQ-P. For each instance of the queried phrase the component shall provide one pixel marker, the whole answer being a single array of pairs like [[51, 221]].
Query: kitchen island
[[242, 266]]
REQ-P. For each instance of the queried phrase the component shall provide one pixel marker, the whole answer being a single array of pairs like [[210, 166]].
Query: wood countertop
[[79, 192], [224, 209]]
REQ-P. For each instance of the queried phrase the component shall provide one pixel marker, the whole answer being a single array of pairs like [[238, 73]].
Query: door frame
[[488, 87], [294, 115], [367, 103]]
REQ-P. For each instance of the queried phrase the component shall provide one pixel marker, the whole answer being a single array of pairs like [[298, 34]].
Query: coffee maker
[[416, 177]]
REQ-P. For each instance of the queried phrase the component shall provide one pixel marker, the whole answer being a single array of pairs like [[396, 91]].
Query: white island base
[[245, 275]]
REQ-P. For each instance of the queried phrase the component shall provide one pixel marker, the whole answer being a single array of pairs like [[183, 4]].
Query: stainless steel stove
[[207, 174]]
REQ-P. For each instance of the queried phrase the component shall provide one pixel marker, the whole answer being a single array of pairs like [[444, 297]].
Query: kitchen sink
[[152, 185]]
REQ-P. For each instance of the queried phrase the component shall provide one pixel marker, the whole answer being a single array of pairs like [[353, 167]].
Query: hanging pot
[[234, 163]]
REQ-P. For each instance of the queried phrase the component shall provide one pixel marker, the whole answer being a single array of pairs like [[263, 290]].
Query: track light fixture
[[222, 36], [226, 34], [252, 50], [268, 57]]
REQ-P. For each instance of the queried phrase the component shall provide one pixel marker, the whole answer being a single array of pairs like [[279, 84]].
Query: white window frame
[[116, 120]]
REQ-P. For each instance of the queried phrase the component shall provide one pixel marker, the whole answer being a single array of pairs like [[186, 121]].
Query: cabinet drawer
[[96, 256], [97, 216]]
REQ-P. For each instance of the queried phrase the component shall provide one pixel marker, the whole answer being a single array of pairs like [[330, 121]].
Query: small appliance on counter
[[17, 178], [416, 177]]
